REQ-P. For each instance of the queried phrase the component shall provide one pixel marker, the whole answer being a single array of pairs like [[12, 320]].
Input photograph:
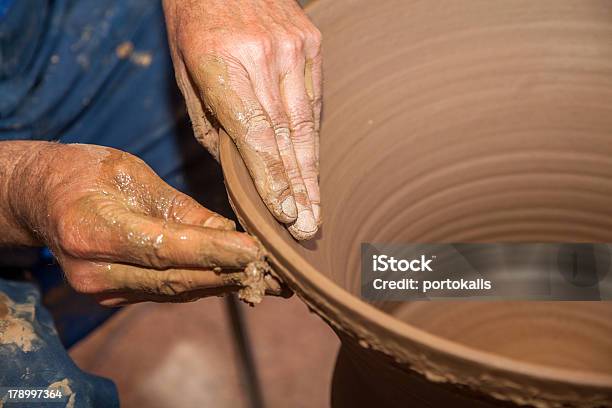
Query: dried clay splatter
[[126, 50], [15, 326], [64, 387]]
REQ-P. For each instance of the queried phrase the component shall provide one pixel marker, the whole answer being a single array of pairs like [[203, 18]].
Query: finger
[[313, 75], [180, 208], [117, 284], [227, 90], [268, 92], [120, 235], [95, 277], [122, 298], [303, 136]]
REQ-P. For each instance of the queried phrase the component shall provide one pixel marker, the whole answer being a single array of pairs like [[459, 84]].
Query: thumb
[[205, 133]]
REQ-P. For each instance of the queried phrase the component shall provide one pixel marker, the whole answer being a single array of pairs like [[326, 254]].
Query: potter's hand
[[118, 231], [256, 66]]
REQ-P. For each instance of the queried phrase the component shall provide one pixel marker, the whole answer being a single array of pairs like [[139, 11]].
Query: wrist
[[24, 184]]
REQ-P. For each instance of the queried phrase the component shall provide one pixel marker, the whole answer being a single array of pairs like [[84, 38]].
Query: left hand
[[256, 66], [119, 232]]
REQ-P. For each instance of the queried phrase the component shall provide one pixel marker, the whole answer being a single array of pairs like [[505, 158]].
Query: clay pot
[[456, 121]]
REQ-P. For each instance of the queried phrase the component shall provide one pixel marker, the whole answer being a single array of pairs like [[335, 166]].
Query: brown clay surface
[[460, 122]]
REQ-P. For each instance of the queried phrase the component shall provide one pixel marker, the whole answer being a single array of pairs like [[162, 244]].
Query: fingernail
[[289, 208], [304, 227]]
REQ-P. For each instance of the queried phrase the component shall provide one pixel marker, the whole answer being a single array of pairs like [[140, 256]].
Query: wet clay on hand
[[257, 280], [254, 69], [119, 232], [456, 122]]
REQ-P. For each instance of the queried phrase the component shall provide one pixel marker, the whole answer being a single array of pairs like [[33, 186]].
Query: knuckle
[[316, 37], [291, 45], [174, 284], [281, 126], [125, 166], [158, 256], [303, 129], [260, 47], [314, 41], [282, 135], [169, 288], [256, 120]]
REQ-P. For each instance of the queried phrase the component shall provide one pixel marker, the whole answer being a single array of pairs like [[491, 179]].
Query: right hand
[[122, 234], [254, 67]]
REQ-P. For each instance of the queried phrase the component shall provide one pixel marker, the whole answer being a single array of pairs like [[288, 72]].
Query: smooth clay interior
[[464, 122]]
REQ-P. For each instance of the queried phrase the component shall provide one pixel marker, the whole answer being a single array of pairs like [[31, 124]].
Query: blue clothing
[[35, 357], [90, 71], [99, 72]]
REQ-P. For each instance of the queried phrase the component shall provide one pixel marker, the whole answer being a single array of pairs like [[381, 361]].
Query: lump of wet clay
[[256, 280]]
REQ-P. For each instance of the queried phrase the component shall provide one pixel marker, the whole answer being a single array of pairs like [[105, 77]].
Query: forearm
[[20, 176]]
